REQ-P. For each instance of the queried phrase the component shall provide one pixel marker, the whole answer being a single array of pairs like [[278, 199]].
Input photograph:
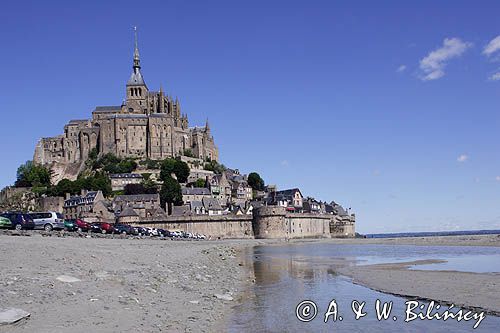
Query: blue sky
[[391, 108]]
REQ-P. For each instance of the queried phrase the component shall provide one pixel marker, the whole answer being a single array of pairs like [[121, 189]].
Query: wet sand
[[126, 285], [157, 285], [468, 290]]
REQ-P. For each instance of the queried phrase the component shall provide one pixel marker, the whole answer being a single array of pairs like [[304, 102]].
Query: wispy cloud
[[401, 68], [492, 47], [463, 158], [497, 178], [434, 63], [284, 163], [495, 76]]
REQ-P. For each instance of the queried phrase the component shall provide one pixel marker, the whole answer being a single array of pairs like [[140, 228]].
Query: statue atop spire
[[137, 61]]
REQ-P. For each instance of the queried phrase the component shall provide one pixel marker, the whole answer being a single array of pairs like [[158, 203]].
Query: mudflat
[[72, 284], [464, 289]]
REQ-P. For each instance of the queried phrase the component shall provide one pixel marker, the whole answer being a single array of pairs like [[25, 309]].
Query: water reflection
[[286, 275]]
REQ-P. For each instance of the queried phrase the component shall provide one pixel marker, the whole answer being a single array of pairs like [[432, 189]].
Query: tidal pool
[[287, 275]]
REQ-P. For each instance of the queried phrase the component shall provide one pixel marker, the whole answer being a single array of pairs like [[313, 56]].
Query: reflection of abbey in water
[[148, 124]]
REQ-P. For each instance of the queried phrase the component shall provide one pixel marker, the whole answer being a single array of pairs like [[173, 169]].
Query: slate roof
[[128, 211], [105, 109], [137, 197], [211, 203], [180, 210], [77, 200], [195, 191]]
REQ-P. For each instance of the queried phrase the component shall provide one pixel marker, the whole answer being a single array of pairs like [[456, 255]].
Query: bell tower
[[136, 87]]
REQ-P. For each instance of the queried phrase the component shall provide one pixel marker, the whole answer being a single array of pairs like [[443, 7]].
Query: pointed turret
[[136, 78], [207, 127]]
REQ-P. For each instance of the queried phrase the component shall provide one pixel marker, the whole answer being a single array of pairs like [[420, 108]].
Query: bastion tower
[[148, 124]]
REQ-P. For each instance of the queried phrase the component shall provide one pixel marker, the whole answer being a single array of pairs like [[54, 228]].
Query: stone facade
[[148, 124], [276, 222]]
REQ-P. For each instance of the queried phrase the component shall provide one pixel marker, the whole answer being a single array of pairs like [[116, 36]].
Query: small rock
[[67, 278], [12, 315], [194, 302], [225, 297]]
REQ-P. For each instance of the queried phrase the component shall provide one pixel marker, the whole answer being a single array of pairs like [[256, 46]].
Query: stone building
[[90, 206], [148, 124], [143, 204], [120, 180], [195, 194]]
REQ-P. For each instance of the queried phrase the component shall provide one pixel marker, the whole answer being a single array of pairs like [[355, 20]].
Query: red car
[[102, 227], [81, 225]]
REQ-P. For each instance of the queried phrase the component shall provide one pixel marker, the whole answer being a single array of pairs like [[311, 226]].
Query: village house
[[212, 206], [120, 180], [195, 194], [292, 199], [311, 205], [220, 189], [90, 205], [143, 204]]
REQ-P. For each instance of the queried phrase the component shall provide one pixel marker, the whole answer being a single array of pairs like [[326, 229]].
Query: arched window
[[140, 92], [131, 91]]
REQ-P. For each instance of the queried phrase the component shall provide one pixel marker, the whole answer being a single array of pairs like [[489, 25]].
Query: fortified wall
[[215, 226], [276, 222], [266, 222]]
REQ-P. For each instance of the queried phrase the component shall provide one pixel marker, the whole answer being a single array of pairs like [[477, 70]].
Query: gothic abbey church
[[148, 124]]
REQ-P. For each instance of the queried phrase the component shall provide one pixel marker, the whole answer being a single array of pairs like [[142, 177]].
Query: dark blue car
[[19, 220]]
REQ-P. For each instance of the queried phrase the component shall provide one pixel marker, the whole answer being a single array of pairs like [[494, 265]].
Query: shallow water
[[476, 263], [287, 275]]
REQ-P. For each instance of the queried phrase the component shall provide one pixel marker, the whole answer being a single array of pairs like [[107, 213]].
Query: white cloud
[[462, 158], [434, 63], [285, 163], [497, 178], [495, 76], [401, 68], [492, 47]]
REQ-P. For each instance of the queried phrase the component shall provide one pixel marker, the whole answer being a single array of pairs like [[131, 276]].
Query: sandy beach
[[126, 285], [153, 285]]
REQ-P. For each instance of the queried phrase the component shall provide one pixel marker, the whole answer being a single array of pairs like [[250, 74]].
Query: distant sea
[[435, 233]]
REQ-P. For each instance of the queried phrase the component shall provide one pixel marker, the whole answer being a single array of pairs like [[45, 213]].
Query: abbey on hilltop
[[148, 124]]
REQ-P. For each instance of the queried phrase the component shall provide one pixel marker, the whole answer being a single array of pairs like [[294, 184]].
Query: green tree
[[171, 166], [188, 153], [181, 171], [214, 167], [167, 168], [200, 182], [32, 175], [255, 181], [170, 193]]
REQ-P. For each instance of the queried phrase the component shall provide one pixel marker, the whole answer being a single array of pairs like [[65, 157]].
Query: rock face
[[12, 315], [148, 124]]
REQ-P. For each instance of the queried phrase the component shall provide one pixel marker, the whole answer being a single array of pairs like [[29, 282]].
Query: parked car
[[19, 220], [102, 227], [124, 229], [163, 233], [176, 234], [48, 220], [5, 223], [142, 231], [70, 225], [81, 225]]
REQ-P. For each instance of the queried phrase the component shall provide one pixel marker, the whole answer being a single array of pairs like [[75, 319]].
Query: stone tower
[[136, 87]]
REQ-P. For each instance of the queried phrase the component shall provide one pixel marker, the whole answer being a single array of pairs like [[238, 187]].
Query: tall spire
[[137, 61], [136, 77]]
